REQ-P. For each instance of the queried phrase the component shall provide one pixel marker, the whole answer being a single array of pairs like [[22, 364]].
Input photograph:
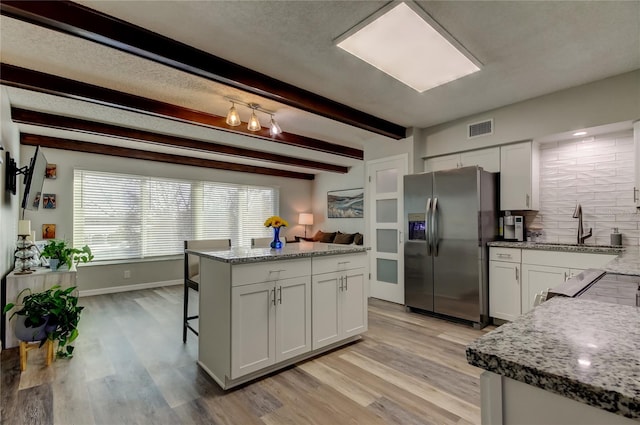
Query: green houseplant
[[58, 309], [59, 250]]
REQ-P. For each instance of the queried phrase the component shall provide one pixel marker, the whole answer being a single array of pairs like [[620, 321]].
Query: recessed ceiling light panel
[[405, 42]]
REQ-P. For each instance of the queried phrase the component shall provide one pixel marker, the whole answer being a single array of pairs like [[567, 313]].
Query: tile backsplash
[[598, 172]]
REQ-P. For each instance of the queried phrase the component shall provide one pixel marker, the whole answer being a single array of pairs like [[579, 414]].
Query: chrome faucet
[[581, 236]]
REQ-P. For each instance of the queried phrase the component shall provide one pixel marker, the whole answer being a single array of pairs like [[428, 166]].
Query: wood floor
[[131, 367]]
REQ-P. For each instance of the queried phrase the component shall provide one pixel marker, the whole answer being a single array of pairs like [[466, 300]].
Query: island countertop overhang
[[243, 255], [581, 349]]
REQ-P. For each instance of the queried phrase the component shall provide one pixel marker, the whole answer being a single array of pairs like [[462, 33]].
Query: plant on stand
[[57, 309]]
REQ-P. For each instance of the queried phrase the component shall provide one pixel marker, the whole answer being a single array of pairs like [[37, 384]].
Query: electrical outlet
[[127, 274]]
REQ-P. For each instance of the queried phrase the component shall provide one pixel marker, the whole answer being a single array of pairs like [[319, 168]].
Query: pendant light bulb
[[274, 128], [254, 122], [233, 118]]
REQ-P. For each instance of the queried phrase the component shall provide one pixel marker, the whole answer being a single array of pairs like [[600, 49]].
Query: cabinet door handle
[[517, 276], [527, 200], [346, 283], [341, 284], [280, 294], [274, 296], [565, 276], [635, 198], [500, 255]]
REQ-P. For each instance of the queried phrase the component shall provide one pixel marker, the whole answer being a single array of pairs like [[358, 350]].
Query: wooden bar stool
[[27, 346]]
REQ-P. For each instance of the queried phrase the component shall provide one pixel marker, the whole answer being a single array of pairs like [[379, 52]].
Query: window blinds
[[126, 216]]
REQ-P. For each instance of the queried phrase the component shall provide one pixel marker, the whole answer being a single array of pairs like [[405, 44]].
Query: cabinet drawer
[[336, 263], [243, 274], [574, 260], [509, 255]]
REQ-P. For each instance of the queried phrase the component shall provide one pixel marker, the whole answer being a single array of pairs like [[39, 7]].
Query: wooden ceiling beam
[[16, 76], [24, 116], [87, 147], [80, 21]]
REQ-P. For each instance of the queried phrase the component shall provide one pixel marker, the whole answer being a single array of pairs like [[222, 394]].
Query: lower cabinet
[[339, 306], [504, 291], [537, 279], [271, 322], [516, 276]]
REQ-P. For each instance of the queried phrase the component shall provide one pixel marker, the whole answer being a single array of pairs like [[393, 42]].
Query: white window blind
[[126, 216]]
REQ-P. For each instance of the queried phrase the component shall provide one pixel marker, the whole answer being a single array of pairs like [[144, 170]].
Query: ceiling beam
[[16, 76], [24, 116], [87, 147], [81, 21]]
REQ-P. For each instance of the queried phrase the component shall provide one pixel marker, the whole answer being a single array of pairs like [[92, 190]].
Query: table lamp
[[305, 219]]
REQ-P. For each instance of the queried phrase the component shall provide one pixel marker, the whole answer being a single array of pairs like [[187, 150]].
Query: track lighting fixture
[[233, 118]]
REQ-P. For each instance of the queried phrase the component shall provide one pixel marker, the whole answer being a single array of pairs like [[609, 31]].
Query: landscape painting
[[348, 203]]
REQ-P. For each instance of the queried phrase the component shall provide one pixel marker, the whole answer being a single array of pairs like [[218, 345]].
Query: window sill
[[131, 261]]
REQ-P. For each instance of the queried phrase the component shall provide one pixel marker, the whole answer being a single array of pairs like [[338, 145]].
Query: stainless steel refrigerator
[[449, 217]]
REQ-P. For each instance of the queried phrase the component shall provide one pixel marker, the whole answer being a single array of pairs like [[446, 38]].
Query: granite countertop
[[627, 262], [585, 350], [240, 255], [563, 247]]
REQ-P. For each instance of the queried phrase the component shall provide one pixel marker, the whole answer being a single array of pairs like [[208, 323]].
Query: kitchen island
[[263, 309], [568, 360]]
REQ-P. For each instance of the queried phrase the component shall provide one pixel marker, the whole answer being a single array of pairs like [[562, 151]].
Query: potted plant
[[59, 253], [56, 309]]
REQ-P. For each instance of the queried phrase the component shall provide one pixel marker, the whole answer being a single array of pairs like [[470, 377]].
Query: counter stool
[[25, 347], [192, 275]]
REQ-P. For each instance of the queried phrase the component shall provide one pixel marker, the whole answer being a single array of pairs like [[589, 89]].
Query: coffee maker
[[514, 228]]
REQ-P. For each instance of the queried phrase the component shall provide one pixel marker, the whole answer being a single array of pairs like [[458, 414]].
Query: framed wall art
[[51, 171], [49, 201], [48, 231], [347, 203]]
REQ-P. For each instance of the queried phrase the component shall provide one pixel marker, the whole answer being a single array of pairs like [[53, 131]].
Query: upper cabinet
[[519, 176], [488, 159]]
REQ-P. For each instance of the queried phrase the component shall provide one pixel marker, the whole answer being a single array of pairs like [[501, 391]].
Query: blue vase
[[275, 243]]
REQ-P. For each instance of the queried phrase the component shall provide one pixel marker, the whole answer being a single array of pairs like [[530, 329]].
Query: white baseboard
[[125, 288]]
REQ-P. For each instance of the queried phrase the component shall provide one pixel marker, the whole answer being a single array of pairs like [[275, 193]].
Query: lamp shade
[[254, 122], [233, 118], [305, 218]]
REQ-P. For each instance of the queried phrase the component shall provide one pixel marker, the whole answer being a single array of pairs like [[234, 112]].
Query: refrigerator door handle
[[434, 226], [428, 224]]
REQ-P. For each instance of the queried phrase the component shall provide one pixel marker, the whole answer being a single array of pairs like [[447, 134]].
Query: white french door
[[385, 195]]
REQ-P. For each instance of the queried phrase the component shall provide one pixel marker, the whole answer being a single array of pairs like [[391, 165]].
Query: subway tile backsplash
[[597, 172]]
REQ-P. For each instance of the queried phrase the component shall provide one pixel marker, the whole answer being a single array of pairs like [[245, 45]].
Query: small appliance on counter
[[513, 228]]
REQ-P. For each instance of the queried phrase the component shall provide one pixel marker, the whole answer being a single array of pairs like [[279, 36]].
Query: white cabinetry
[[258, 317], [516, 276], [542, 270], [271, 322], [519, 176], [339, 299], [504, 286], [488, 159]]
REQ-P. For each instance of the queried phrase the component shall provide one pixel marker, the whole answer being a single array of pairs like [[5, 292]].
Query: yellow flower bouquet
[[276, 222]]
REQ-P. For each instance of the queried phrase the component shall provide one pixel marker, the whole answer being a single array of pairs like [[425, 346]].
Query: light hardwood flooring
[[131, 367]]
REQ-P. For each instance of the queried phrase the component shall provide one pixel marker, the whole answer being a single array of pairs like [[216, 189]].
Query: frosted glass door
[[385, 228]]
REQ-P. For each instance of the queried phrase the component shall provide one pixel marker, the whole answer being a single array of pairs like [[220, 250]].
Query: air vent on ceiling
[[478, 129]]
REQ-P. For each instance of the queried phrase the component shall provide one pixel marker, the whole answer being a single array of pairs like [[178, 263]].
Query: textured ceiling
[[527, 49]]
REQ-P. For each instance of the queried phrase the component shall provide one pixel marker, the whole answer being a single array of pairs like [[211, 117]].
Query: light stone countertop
[[627, 262], [585, 350], [240, 255]]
